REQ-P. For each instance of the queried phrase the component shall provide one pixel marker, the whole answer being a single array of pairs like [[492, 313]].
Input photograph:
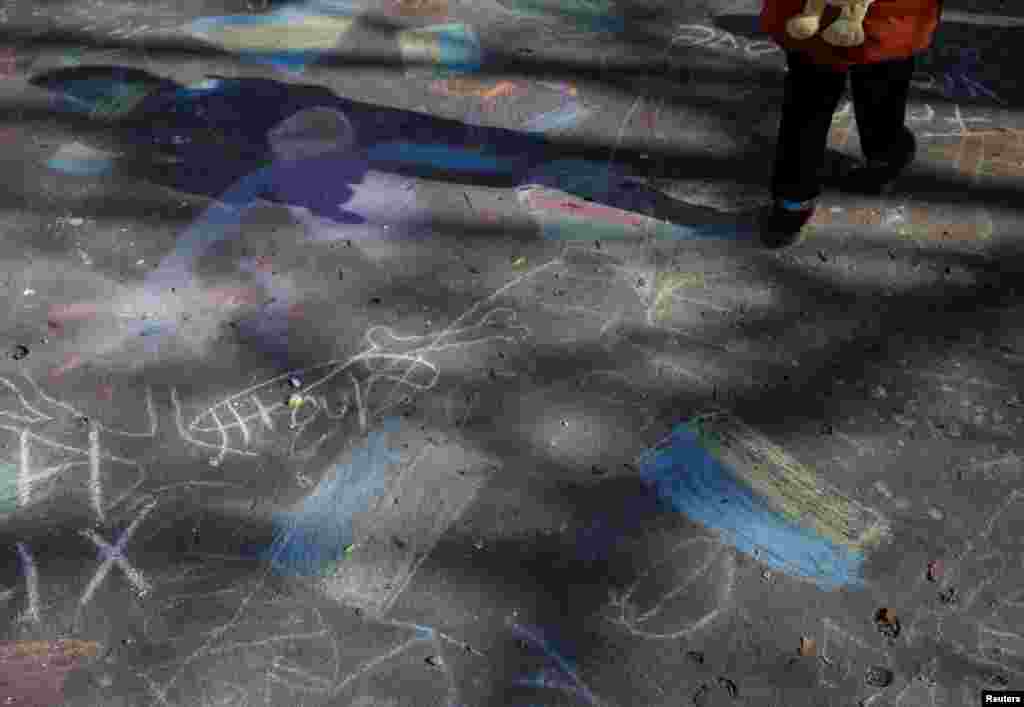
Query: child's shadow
[[210, 139]]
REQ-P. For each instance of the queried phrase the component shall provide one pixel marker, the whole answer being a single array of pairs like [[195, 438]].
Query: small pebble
[[433, 660], [729, 686], [19, 352], [935, 513], [696, 656]]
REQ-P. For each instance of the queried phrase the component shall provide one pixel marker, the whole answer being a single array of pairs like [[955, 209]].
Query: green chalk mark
[[8, 488]]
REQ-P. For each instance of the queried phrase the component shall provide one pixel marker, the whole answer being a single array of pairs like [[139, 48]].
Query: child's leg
[[812, 94], [880, 93]]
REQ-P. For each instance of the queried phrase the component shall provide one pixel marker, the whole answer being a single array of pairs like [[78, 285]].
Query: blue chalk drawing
[[312, 539], [441, 156], [452, 49], [283, 20], [560, 118], [559, 674], [960, 81], [698, 485], [79, 160]]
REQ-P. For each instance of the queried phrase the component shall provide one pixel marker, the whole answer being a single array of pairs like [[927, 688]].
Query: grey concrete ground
[[309, 401]]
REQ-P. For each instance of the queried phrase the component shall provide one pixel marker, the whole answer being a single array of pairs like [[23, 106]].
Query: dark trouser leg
[[812, 93], [880, 92]]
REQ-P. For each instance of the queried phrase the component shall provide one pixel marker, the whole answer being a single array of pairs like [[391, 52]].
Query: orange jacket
[[893, 29]]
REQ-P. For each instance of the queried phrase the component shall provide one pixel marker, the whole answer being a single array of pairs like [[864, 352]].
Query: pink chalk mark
[[32, 673], [296, 311], [647, 118], [71, 361], [233, 296], [60, 313], [8, 63], [105, 392], [599, 213]]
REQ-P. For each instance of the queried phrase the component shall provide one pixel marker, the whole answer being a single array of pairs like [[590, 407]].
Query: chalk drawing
[[28, 567], [451, 49], [681, 595], [288, 39], [42, 461], [8, 63], [111, 555], [313, 538], [408, 353], [81, 160], [975, 154], [618, 206], [374, 574], [418, 8], [100, 97], [691, 35], [763, 501], [585, 15], [560, 673], [277, 649], [960, 81], [294, 37], [33, 672], [666, 285]]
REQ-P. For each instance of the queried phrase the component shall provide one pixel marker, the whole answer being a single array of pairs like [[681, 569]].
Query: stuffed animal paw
[[807, 23], [846, 31]]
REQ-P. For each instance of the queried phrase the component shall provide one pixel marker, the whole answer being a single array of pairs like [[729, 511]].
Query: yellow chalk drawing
[[312, 32], [666, 284], [923, 227], [789, 487], [419, 8], [71, 648], [420, 45]]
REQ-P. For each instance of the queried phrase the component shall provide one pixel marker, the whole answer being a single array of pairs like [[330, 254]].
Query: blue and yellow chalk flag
[[722, 473]]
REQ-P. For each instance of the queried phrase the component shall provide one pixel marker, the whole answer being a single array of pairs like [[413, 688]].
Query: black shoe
[[877, 176], [783, 222]]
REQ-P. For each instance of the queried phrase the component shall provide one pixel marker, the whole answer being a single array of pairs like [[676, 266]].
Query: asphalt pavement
[[423, 353]]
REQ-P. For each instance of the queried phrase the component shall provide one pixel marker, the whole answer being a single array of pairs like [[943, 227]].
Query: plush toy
[[846, 31]]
